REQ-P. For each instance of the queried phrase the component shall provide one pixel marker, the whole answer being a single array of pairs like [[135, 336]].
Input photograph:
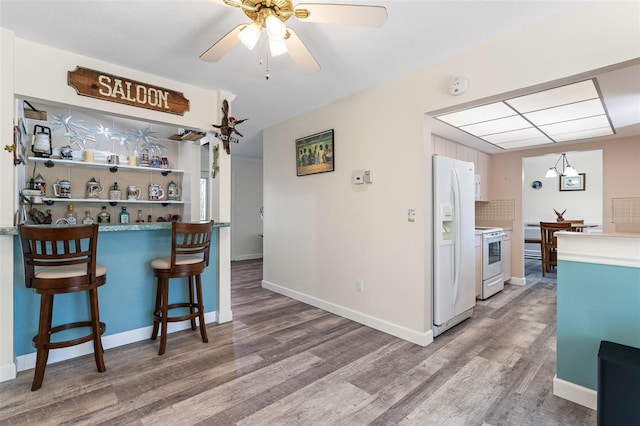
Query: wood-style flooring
[[281, 362]]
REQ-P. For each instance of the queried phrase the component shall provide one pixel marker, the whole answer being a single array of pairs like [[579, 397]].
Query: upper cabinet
[[480, 160], [482, 168]]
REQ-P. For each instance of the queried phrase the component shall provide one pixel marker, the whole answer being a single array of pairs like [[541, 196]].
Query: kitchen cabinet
[[464, 153], [482, 169], [506, 255], [478, 250], [444, 147], [481, 161]]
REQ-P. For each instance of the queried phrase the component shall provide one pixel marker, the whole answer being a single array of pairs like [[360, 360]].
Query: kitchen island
[[126, 300], [598, 299]]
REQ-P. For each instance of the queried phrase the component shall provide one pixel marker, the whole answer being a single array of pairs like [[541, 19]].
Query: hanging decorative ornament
[[215, 167], [227, 127]]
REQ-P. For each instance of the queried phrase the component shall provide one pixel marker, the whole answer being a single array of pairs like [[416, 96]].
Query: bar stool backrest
[[70, 249], [190, 239]]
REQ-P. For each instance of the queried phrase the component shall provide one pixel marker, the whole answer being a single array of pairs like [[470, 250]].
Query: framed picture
[[573, 183], [315, 154]]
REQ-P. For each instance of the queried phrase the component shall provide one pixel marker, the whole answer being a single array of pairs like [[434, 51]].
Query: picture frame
[[573, 183], [315, 153]]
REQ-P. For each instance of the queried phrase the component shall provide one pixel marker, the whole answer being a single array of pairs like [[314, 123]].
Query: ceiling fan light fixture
[[277, 47], [250, 35], [275, 27]]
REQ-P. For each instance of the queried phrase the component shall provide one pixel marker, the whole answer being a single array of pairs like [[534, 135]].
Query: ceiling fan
[[271, 15]]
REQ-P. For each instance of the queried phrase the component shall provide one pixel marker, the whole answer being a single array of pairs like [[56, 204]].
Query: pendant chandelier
[[567, 170]]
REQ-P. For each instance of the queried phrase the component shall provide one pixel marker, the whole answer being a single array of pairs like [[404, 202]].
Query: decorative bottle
[[140, 219], [70, 215], [104, 216], [124, 215], [88, 220]]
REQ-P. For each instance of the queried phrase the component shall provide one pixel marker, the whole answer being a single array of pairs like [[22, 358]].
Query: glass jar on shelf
[[124, 215], [104, 216], [88, 220]]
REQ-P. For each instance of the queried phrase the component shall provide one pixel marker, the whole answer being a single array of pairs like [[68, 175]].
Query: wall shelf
[[51, 162], [49, 201]]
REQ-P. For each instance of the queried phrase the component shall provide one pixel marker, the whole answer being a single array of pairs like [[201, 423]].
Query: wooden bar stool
[[61, 260], [190, 244]]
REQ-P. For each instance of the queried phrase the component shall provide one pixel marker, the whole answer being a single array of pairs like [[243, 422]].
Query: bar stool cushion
[[69, 271], [165, 262]]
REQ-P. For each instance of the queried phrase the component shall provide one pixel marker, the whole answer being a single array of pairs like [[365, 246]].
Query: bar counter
[[598, 299], [126, 300]]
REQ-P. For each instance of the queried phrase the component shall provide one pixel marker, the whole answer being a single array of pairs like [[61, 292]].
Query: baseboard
[[247, 256], [422, 339], [518, 281], [7, 372], [225, 316], [575, 393], [28, 361]]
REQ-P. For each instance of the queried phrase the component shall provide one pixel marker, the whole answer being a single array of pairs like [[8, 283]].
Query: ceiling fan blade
[[348, 14], [300, 54], [223, 46]]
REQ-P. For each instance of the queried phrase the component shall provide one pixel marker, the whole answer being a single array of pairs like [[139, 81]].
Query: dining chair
[[576, 222], [59, 260], [549, 243]]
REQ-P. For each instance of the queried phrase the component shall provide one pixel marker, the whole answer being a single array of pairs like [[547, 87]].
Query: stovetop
[[488, 229]]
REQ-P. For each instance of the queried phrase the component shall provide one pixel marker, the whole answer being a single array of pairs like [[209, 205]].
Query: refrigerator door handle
[[456, 235]]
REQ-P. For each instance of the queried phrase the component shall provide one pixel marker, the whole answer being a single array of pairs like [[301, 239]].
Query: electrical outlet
[[359, 286]]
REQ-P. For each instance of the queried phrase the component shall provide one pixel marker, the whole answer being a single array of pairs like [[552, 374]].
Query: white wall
[[7, 192], [538, 204], [246, 195], [322, 233]]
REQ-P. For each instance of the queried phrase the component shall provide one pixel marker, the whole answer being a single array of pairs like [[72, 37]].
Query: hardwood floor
[[281, 362]]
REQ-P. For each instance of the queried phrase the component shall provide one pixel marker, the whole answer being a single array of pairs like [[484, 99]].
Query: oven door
[[492, 256]]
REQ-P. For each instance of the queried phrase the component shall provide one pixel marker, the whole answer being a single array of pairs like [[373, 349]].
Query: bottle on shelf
[[70, 215], [104, 216], [88, 220], [124, 215], [140, 219]]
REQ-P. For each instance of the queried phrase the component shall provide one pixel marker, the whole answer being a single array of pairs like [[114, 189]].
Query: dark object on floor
[[618, 384]]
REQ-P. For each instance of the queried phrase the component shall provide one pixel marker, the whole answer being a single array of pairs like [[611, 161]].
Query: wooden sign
[[96, 84]]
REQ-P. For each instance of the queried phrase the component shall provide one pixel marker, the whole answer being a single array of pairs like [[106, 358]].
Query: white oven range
[[492, 261]]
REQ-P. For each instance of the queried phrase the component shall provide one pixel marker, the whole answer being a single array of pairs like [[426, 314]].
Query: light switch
[[368, 176]]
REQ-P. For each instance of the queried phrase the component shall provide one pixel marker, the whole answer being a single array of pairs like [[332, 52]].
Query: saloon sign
[[96, 84]]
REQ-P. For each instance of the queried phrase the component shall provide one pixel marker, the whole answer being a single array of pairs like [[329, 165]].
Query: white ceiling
[[166, 38]]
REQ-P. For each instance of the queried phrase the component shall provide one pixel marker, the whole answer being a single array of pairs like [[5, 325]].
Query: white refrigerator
[[453, 242]]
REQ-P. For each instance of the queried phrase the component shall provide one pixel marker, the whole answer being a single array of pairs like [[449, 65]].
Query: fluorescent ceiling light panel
[[516, 135], [497, 126], [477, 114], [564, 95], [582, 109], [584, 134], [575, 125], [570, 112], [525, 142]]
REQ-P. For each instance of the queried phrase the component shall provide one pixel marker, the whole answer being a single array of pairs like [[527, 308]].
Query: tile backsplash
[[625, 210], [503, 210]]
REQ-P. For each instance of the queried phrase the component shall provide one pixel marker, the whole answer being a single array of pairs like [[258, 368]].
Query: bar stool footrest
[[70, 342], [158, 314]]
